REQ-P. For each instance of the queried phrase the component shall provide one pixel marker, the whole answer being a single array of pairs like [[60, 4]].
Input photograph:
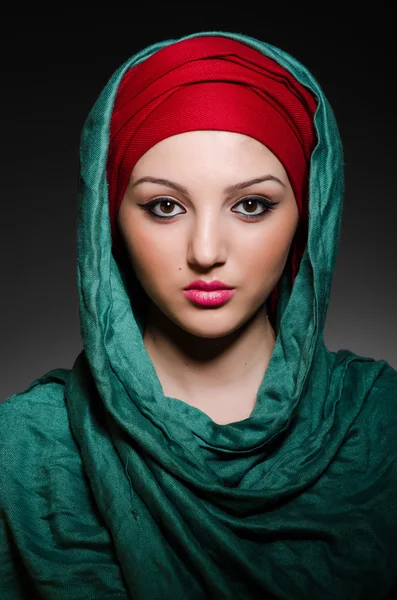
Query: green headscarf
[[111, 490]]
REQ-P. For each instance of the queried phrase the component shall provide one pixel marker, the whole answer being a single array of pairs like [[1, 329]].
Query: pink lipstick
[[214, 293]]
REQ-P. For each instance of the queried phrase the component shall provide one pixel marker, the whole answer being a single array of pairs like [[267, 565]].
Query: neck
[[190, 367]]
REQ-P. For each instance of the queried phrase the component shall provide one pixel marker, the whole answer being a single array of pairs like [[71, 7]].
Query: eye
[[164, 207], [255, 205]]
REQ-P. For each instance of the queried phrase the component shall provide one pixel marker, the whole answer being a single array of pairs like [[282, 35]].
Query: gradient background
[[51, 78]]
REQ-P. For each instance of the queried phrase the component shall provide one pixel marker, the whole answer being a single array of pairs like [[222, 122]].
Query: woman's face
[[221, 208]]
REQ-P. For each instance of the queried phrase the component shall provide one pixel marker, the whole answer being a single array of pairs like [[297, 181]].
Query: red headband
[[212, 83]]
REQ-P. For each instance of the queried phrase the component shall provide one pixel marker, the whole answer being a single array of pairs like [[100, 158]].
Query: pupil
[[168, 204], [251, 204]]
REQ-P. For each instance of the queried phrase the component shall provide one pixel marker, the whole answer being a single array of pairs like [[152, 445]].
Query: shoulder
[[50, 528], [368, 454], [367, 378], [375, 382], [33, 419], [365, 469], [33, 427], [49, 387], [367, 401], [378, 421]]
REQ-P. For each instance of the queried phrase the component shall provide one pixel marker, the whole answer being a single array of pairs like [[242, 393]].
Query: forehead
[[209, 150]]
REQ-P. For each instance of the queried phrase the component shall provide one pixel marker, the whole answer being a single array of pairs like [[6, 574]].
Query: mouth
[[206, 286], [213, 298]]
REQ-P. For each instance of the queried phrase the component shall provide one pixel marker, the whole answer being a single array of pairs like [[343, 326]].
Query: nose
[[207, 244]]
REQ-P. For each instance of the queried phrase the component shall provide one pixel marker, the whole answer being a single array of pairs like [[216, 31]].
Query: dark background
[[53, 70]]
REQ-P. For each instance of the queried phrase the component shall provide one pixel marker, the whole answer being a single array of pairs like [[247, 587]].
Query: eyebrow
[[229, 190]]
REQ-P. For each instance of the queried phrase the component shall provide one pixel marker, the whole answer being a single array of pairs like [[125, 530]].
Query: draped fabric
[[111, 490]]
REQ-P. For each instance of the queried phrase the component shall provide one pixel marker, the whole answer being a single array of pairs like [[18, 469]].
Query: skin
[[213, 358]]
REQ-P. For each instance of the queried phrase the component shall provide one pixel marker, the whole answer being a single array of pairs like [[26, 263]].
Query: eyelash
[[265, 203]]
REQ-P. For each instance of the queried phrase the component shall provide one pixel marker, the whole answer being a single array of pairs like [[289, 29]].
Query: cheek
[[152, 256], [267, 252]]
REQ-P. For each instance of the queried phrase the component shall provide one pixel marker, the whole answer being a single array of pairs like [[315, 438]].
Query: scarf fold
[[128, 493]]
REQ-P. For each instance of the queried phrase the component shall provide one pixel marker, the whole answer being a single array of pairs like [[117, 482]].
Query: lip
[[215, 297], [210, 286]]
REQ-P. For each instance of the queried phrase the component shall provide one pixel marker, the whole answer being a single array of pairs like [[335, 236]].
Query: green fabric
[[109, 489]]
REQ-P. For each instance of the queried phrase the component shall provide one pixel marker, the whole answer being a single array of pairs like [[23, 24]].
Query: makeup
[[208, 286], [209, 298]]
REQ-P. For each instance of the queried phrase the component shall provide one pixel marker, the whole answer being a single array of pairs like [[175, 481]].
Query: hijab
[[110, 489]]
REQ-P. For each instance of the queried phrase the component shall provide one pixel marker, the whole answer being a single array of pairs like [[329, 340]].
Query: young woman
[[206, 443]]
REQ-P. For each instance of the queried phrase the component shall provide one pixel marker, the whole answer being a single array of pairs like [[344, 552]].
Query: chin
[[207, 334], [211, 326]]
